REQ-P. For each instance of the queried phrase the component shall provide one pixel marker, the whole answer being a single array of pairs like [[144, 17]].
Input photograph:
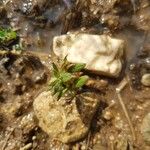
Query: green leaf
[[57, 87], [66, 80], [7, 36], [65, 77], [65, 63], [76, 68], [81, 81], [52, 83], [55, 70], [11, 35], [60, 94]]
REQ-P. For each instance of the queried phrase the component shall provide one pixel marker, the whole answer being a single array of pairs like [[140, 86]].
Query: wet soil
[[24, 76]]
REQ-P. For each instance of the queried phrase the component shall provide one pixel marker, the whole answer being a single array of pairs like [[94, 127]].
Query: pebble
[[146, 79], [83, 147], [112, 138], [34, 138], [108, 115], [26, 147]]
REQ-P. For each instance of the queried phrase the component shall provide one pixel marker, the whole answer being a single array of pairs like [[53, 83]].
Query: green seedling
[[7, 36], [67, 79]]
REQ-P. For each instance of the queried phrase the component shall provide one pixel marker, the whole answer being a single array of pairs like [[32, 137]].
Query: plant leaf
[[7, 36], [81, 81], [11, 35], [65, 63], [55, 70], [64, 91], [60, 94], [52, 83], [65, 77], [76, 68], [57, 87]]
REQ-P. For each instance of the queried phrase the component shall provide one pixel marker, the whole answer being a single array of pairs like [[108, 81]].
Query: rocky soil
[[109, 113]]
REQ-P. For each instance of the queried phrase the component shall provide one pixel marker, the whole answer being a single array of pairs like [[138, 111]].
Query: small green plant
[[7, 36], [9, 40], [67, 79]]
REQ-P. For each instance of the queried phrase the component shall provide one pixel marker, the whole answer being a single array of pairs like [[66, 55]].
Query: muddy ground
[[23, 76]]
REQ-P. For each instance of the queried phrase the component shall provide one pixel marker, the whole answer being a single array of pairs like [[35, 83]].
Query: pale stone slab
[[101, 53]]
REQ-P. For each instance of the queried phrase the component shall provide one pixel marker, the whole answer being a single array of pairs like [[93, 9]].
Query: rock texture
[[146, 79], [66, 122], [101, 53], [145, 128]]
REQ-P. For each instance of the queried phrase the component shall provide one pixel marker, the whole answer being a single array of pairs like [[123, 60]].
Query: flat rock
[[66, 122], [101, 53]]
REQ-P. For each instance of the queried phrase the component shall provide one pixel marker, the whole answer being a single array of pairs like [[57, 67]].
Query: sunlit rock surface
[[66, 122], [146, 79], [145, 128], [101, 53]]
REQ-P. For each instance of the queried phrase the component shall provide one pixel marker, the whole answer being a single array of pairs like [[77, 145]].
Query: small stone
[[26, 147], [39, 77], [27, 123], [145, 128], [108, 115], [132, 67], [146, 79], [111, 137], [83, 147], [34, 138], [97, 84]]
